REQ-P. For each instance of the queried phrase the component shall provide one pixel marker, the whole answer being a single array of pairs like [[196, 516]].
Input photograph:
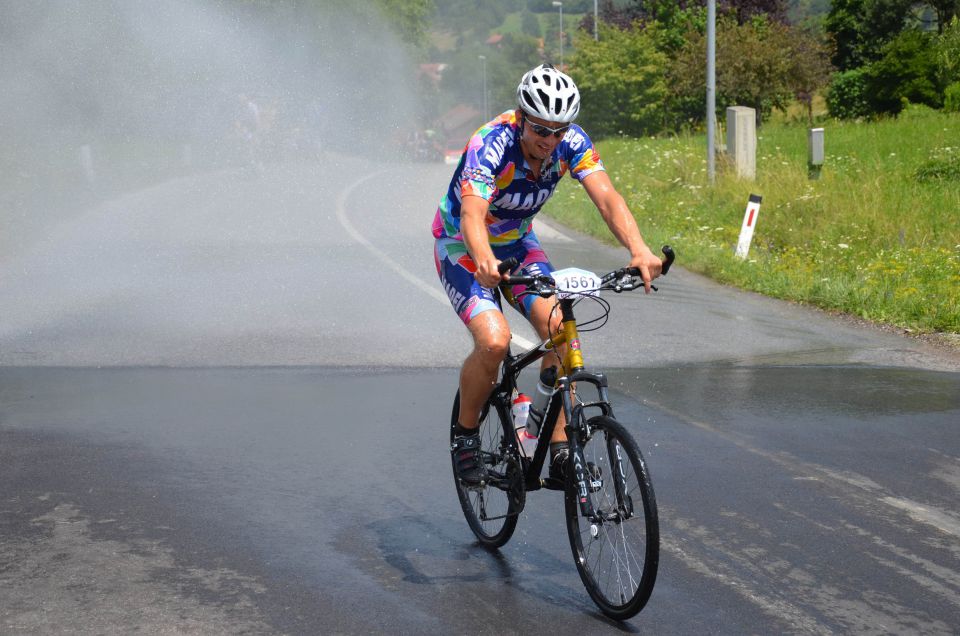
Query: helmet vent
[[557, 105], [543, 97], [527, 99]]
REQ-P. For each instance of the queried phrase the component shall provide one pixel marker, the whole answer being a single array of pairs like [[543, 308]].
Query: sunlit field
[[876, 236]]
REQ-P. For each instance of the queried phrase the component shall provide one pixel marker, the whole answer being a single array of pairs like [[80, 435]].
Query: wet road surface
[[296, 500], [262, 449]]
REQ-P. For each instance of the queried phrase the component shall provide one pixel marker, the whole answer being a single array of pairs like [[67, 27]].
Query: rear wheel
[[617, 550], [492, 509]]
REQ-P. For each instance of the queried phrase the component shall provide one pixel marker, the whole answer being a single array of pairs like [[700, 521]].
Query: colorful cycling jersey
[[493, 167]]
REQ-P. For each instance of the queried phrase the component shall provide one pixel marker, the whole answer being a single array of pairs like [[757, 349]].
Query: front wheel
[[491, 510], [617, 549]]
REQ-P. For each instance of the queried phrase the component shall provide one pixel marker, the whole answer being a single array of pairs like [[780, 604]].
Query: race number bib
[[576, 282]]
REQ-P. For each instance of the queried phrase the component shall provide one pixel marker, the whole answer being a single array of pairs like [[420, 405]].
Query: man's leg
[[491, 342], [491, 338], [547, 322], [546, 325]]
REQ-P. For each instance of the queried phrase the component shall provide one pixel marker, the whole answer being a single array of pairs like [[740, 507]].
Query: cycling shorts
[[456, 270]]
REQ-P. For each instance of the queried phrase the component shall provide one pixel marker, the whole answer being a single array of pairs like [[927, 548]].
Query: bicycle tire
[[492, 510], [618, 557]]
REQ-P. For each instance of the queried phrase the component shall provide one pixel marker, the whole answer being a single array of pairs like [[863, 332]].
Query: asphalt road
[[223, 405]]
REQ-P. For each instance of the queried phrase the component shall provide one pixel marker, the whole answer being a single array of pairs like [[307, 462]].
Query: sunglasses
[[546, 131]]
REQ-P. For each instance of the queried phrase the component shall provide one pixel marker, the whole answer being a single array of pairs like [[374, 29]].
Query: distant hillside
[[808, 12]]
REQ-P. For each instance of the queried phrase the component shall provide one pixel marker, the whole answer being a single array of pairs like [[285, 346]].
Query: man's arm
[[618, 218], [473, 227]]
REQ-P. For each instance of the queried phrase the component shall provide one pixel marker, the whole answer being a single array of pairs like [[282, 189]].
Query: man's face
[[534, 142]]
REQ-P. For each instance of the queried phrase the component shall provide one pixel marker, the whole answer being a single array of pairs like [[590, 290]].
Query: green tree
[[884, 20], [624, 15], [808, 14], [862, 28], [845, 24], [948, 53], [809, 67], [621, 80], [759, 64], [906, 72], [410, 18], [946, 11]]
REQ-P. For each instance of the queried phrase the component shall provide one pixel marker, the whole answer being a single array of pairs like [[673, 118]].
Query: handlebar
[[546, 286], [510, 263]]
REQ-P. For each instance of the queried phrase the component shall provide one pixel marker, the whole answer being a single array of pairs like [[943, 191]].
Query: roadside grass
[[876, 236]]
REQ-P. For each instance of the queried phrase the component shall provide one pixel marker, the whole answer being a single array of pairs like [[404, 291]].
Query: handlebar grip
[[507, 265], [668, 261]]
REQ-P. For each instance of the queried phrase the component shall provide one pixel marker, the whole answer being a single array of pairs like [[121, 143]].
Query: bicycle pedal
[[550, 483]]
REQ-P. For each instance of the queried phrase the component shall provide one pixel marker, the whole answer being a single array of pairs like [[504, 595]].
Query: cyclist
[[507, 171]]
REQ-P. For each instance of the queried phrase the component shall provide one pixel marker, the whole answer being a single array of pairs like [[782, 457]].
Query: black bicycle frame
[[561, 399]]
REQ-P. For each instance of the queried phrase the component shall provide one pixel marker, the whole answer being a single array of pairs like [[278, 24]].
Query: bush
[[621, 79], [907, 72], [846, 96], [951, 98], [917, 111]]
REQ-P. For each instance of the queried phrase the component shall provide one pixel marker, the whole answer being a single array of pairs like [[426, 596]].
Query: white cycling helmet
[[547, 93]]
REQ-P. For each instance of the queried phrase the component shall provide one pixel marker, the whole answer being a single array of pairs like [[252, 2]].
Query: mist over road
[[308, 266]]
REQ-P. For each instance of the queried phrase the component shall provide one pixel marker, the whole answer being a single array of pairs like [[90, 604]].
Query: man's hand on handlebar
[[487, 272], [649, 265]]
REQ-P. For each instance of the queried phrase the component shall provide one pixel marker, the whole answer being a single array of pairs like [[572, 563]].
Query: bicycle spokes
[[614, 534]]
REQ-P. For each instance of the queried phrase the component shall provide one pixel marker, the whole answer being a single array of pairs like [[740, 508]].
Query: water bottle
[[541, 399], [521, 411]]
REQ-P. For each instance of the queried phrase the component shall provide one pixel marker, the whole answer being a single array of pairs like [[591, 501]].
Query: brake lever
[[630, 286], [543, 291]]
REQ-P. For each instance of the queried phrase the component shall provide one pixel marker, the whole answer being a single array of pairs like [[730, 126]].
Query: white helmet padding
[[547, 93]]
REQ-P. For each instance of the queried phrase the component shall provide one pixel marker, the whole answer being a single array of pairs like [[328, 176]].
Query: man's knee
[[491, 337], [493, 347]]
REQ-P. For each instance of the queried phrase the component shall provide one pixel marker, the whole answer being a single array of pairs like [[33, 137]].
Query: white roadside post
[[749, 223], [814, 152], [742, 140]]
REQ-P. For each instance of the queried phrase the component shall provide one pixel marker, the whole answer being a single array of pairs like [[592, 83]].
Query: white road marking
[[431, 290]]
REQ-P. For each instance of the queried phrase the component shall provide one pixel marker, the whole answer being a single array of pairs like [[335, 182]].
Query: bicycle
[[610, 507]]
